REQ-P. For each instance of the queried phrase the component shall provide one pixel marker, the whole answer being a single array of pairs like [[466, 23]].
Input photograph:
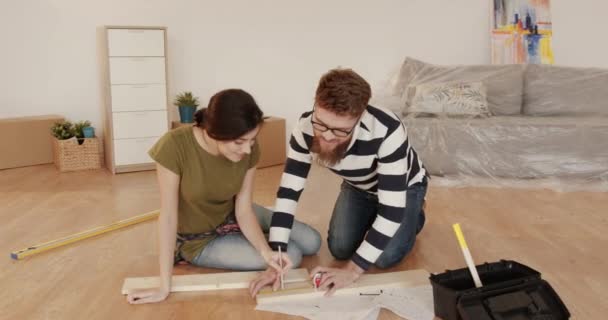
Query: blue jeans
[[235, 252], [354, 214]]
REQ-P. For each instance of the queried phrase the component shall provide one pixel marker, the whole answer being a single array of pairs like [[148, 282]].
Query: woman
[[206, 174]]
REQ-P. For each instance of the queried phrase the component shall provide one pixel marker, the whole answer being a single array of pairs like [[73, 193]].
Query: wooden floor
[[563, 235]]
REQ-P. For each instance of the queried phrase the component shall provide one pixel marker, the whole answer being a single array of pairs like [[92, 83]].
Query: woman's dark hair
[[230, 114]]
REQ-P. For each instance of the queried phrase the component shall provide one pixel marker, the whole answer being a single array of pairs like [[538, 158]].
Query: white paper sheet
[[331, 308], [415, 303]]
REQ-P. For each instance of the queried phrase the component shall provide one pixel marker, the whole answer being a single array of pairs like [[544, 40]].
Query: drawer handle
[[137, 59], [140, 114], [140, 140], [139, 87]]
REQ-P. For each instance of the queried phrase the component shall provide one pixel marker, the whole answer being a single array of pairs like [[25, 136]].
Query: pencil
[[281, 265]]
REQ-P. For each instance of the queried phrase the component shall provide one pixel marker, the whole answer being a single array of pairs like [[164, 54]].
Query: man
[[379, 209]]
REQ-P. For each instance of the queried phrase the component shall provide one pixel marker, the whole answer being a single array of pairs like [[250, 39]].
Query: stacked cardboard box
[[271, 139], [26, 141]]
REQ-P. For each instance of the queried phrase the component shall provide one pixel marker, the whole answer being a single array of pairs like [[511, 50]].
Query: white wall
[[276, 50], [580, 31]]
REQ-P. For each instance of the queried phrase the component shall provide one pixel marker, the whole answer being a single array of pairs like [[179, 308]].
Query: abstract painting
[[521, 32]]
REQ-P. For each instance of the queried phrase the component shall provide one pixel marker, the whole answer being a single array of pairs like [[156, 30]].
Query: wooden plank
[[209, 281], [20, 254], [365, 285]]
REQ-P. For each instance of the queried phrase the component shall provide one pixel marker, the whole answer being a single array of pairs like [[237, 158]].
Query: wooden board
[[209, 281], [366, 285]]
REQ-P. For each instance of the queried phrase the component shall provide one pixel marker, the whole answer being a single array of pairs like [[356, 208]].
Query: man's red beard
[[329, 158]]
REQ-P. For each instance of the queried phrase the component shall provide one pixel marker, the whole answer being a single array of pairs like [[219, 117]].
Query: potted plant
[[187, 104], [66, 129], [71, 151], [79, 130], [63, 130]]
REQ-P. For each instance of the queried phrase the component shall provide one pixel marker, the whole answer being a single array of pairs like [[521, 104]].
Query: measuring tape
[[316, 279]]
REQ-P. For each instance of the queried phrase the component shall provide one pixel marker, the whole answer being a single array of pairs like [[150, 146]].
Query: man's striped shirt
[[379, 160]]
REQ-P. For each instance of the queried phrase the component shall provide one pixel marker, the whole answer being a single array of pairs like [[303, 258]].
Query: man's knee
[[390, 258], [388, 262], [341, 250]]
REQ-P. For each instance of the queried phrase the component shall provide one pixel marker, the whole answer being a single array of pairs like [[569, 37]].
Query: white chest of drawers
[[135, 85]]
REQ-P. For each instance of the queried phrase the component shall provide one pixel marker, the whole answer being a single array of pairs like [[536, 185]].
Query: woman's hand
[[277, 265], [147, 296], [270, 276]]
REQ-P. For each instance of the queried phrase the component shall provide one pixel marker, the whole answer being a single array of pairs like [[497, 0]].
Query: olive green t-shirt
[[208, 183]]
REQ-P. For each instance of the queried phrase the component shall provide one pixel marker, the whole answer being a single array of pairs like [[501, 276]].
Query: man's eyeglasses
[[337, 132]]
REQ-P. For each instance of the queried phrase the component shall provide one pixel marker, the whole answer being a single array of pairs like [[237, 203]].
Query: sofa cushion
[[554, 90], [504, 83], [449, 99]]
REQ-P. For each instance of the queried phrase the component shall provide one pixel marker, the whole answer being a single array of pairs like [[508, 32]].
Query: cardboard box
[[271, 139], [272, 142], [177, 124], [26, 141]]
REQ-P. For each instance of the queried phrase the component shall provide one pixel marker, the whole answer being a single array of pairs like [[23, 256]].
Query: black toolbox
[[510, 291]]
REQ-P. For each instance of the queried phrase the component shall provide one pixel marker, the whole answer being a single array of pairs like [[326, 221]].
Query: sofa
[[536, 121]]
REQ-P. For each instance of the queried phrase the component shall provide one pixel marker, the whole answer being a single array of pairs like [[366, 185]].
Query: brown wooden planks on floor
[[563, 235]]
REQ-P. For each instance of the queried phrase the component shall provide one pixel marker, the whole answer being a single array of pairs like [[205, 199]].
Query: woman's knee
[[307, 238], [231, 251], [312, 243], [294, 253]]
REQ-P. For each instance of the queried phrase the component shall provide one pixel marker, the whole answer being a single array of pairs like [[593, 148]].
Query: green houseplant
[[79, 129], [187, 104], [64, 130]]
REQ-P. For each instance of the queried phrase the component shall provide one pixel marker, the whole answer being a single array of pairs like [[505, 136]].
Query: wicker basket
[[71, 156]]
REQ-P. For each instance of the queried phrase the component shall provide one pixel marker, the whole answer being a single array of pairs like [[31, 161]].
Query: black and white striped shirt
[[378, 160]]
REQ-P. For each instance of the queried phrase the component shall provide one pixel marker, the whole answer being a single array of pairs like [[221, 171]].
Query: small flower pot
[[88, 132], [186, 114]]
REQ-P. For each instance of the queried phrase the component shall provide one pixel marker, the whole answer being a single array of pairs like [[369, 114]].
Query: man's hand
[[147, 296], [265, 278], [272, 260], [336, 278]]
